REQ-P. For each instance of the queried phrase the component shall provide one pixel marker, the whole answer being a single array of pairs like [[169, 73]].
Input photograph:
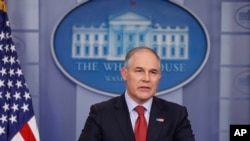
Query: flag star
[[3, 71], [13, 119], [6, 48], [1, 95], [17, 95], [1, 82], [14, 107], [25, 84], [2, 35], [7, 23], [12, 48], [10, 83], [11, 72], [5, 107], [8, 95], [8, 35], [12, 60], [5, 59], [25, 107], [3, 118], [27, 95], [17, 60], [19, 72], [19, 84], [2, 130]]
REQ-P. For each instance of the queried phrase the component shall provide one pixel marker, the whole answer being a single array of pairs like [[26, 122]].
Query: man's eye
[[154, 72], [138, 70]]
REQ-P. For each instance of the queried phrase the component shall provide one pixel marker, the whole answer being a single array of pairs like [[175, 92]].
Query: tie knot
[[140, 110]]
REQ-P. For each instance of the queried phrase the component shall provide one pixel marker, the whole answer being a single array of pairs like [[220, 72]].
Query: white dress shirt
[[133, 114]]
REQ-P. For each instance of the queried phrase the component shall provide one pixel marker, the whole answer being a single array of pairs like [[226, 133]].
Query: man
[[116, 119]]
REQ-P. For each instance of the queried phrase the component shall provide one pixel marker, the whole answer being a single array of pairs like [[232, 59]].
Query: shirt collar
[[132, 104]]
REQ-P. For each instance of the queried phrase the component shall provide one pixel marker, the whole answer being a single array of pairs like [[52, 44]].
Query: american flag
[[17, 119]]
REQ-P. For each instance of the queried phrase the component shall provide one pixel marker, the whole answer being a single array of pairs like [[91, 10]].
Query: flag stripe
[[20, 137], [27, 133], [33, 127], [17, 137]]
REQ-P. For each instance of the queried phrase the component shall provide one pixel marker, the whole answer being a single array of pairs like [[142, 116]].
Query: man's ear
[[124, 73]]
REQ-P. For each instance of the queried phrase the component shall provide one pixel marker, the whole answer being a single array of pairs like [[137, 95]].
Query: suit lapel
[[156, 120], [123, 119]]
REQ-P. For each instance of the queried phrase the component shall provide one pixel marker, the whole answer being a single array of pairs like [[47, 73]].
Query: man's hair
[[137, 49]]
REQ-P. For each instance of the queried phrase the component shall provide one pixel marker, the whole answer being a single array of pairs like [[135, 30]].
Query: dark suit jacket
[[110, 121]]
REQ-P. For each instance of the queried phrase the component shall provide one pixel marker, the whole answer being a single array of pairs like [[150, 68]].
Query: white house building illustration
[[113, 39]]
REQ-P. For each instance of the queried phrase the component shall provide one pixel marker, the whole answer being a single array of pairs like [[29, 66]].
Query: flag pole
[[3, 6]]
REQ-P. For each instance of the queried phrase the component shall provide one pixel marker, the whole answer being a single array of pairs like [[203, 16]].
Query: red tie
[[140, 125]]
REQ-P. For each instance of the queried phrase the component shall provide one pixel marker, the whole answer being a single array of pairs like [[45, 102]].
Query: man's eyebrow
[[149, 69], [155, 70], [138, 67]]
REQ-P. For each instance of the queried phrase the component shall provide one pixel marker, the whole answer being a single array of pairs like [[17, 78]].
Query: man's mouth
[[144, 88]]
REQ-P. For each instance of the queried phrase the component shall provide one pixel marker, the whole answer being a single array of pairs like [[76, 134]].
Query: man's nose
[[146, 77]]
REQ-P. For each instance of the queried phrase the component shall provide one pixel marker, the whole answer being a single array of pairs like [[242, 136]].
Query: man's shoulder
[[166, 103], [171, 108], [108, 103]]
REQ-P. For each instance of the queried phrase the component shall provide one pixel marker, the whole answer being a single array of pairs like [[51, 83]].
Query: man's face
[[142, 76]]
